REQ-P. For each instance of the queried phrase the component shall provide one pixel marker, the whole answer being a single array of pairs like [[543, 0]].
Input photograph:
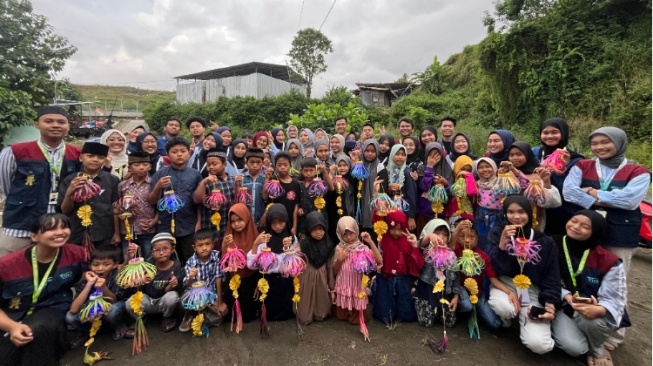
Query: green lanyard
[[38, 287], [581, 265], [54, 166]]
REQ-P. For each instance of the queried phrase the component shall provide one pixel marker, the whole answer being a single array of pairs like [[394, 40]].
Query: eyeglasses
[[162, 250]]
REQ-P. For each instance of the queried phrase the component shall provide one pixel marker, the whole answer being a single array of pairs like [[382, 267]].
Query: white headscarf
[[118, 160]]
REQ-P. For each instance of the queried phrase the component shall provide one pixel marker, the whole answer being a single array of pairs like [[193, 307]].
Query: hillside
[[124, 97]]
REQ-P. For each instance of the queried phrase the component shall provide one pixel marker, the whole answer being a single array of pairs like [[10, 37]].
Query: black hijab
[[239, 163], [317, 252], [525, 204], [561, 125], [531, 164], [275, 132], [383, 157], [277, 211], [411, 158], [454, 155], [154, 158]]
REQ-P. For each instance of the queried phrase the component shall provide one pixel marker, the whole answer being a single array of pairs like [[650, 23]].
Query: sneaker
[[184, 327]]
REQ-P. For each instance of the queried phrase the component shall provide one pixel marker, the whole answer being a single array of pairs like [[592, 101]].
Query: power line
[[299, 25], [327, 16]]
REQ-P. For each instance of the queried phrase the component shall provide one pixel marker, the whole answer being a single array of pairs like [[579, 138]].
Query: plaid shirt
[[207, 272], [142, 210], [227, 187]]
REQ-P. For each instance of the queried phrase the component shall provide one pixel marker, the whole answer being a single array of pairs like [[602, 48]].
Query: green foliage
[[431, 80], [340, 95], [15, 109], [307, 54], [324, 116], [123, 97]]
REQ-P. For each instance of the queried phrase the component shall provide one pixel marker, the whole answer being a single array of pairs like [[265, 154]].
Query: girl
[[348, 304], [278, 138], [213, 140], [460, 146], [386, 142], [236, 157], [292, 189], [594, 288], [320, 134], [615, 184], [36, 286], [554, 134], [371, 163], [498, 143], [292, 132], [403, 261], [317, 281], [401, 185], [147, 143], [352, 136], [225, 133], [322, 152], [544, 290], [337, 143], [241, 232], [308, 142], [278, 238], [116, 161], [521, 156], [131, 146], [347, 204], [427, 135], [295, 149], [463, 207], [436, 171], [261, 140]]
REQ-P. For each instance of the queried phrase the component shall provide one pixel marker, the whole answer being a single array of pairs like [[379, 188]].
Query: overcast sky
[[145, 43]]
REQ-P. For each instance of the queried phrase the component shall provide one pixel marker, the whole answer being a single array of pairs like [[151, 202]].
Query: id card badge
[[523, 297], [53, 198]]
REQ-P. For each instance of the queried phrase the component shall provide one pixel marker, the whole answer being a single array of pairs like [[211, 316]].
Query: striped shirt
[[207, 272], [8, 168]]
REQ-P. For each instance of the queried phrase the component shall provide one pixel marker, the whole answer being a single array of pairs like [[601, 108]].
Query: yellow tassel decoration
[[196, 325], [364, 282], [84, 213], [234, 284], [263, 287], [215, 220]]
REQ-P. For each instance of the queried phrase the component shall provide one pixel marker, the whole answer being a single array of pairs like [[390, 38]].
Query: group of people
[[396, 203]]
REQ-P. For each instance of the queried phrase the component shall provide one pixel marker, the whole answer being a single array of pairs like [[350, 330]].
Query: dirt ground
[[334, 342]]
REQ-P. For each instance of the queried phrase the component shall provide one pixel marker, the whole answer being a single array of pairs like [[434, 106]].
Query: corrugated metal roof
[[281, 72]]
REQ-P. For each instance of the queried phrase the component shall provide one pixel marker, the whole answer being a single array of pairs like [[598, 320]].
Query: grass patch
[[123, 97]]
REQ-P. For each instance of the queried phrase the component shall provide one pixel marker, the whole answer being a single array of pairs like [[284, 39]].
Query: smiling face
[[209, 142], [320, 135], [292, 132], [516, 215], [343, 167], [400, 157], [551, 136], [134, 134], [405, 129], [280, 136], [410, 146], [485, 170], [55, 238], [384, 146], [226, 137], [240, 150], [516, 157], [341, 127], [603, 147], [116, 143], [149, 144], [579, 227], [427, 136], [335, 145], [460, 144], [447, 129], [262, 142], [304, 138], [52, 126], [494, 143]]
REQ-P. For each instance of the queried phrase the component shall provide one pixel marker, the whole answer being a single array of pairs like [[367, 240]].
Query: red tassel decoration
[[87, 243], [363, 327], [440, 346], [265, 328]]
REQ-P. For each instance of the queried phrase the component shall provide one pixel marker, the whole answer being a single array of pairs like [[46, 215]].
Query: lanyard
[[38, 287], [55, 166], [570, 267], [605, 184]]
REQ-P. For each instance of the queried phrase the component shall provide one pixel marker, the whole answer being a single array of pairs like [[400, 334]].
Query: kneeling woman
[[594, 285], [535, 306]]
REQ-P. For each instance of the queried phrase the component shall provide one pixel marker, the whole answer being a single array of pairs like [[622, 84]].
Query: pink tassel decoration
[[524, 249], [557, 161], [87, 243], [441, 256], [340, 183], [363, 327], [243, 196], [215, 200], [265, 259], [317, 188], [87, 191], [274, 189], [362, 259], [292, 264], [233, 260]]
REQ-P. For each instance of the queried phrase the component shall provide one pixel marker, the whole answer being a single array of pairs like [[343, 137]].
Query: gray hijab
[[620, 140], [350, 203], [311, 138], [442, 169]]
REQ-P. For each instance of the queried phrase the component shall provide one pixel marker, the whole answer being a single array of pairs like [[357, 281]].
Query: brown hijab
[[245, 238]]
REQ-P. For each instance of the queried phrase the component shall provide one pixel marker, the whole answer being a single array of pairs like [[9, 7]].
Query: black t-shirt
[[157, 287], [290, 198]]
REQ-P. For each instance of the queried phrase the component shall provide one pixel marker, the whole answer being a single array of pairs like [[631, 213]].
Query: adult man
[[406, 127], [171, 129], [447, 130], [368, 131], [341, 126], [30, 173]]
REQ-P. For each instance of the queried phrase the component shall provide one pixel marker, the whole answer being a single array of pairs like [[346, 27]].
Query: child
[[144, 216], [344, 203], [292, 189], [278, 238], [253, 181], [309, 170], [402, 262], [296, 151], [241, 233], [102, 275], [316, 282], [161, 296], [436, 171], [463, 207], [322, 152], [465, 237], [183, 181], [401, 186], [204, 265], [427, 303], [216, 165], [347, 303], [105, 229], [376, 171]]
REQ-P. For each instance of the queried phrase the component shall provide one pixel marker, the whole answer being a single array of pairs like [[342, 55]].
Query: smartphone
[[413, 167], [582, 300], [535, 312]]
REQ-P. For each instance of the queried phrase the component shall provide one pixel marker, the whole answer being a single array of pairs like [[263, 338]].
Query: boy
[[102, 275], [104, 229], [216, 164], [292, 189], [144, 217], [204, 266], [183, 181], [307, 203], [253, 181], [161, 296]]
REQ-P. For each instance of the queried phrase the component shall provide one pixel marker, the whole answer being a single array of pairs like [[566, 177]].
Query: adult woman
[[236, 157], [36, 293], [116, 162], [498, 143], [336, 143], [427, 135], [308, 142], [278, 138], [147, 143], [544, 290], [460, 145], [386, 142], [212, 140], [131, 146], [594, 288], [260, 140], [292, 132], [612, 183], [554, 134]]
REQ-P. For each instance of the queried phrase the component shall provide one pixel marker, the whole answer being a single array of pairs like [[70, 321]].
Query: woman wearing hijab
[[544, 290], [460, 145], [317, 281], [521, 156], [308, 142], [278, 143], [336, 144], [593, 289], [612, 183], [320, 134], [498, 143], [241, 233], [401, 185], [213, 140], [427, 135], [116, 162], [292, 132], [554, 134], [131, 145], [147, 142], [436, 171], [386, 142], [260, 140], [236, 157]]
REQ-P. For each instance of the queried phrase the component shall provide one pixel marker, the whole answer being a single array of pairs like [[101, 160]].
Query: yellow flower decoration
[[437, 208], [364, 283], [319, 203], [84, 213], [471, 286], [196, 325], [444, 301], [135, 303], [340, 212], [439, 287], [215, 219], [263, 287], [522, 282], [339, 201], [380, 228], [296, 298], [473, 299], [97, 323], [268, 206], [234, 284], [295, 282]]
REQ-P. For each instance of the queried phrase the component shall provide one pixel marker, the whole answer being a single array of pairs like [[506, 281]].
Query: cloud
[[146, 44]]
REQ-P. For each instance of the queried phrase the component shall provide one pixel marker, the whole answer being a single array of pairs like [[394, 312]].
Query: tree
[[307, 55]]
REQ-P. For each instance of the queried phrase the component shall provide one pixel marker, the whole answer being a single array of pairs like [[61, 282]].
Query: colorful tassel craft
[[557, 161], [382, 204], [438, 197], [263, 288], [470, 263], [340, 183], [362, 259], [197, 297], [359, 171], [233, 259], [506, 184], [95, 308], [534, 192], [94, 357], [215, 200], [236, 313], [243, 196], [317, 188], [359, 195], [136, 273], [524, 249], [170, 202], [87, 191], [265, 260], [292, 264], [274, 189], [380, 228], [441, 256]]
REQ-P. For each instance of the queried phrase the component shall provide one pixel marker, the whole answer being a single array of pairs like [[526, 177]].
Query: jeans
[[144, 241], [114, 318], [392, 299]]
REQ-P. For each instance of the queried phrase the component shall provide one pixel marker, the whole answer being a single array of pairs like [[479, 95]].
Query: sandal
[[168, 324], [604, 360], [185, 324], [119, 332], [129, 333]]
